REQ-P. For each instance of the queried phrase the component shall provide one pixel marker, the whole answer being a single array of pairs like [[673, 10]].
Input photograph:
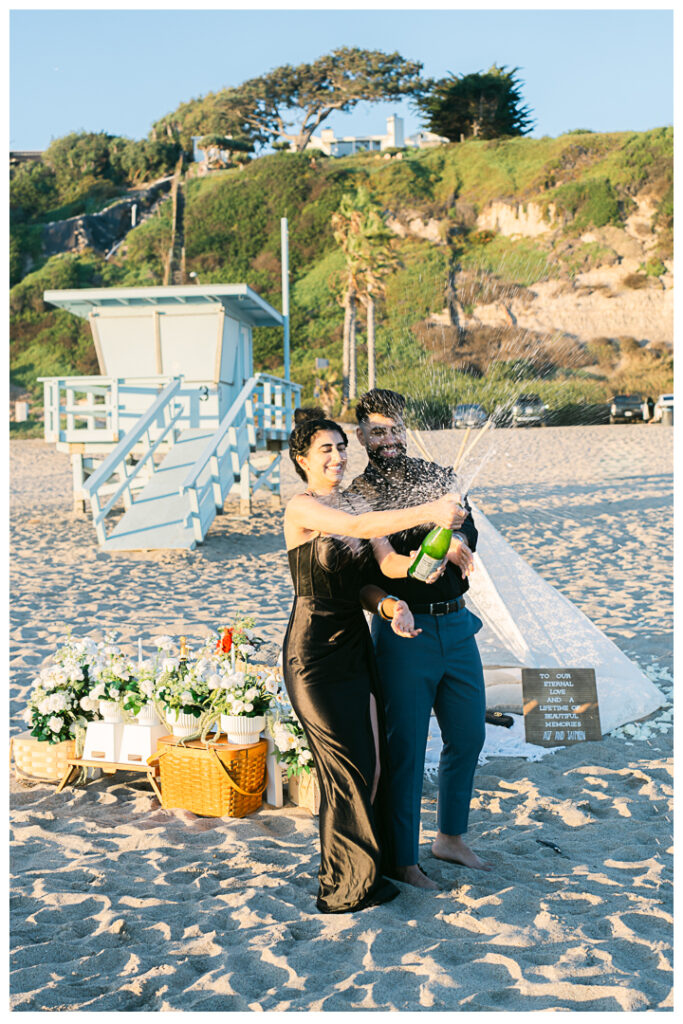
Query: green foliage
[[589, 202], [481, 105], [29, 428], [261, 109], [232, 224], [33, 190], [521, 262], [655, 268]]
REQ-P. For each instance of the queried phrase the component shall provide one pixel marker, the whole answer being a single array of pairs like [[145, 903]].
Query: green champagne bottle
[[433, 550]]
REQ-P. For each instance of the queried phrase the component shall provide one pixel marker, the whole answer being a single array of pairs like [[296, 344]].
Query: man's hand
[[402, 622], [459, 554], [438, 572]]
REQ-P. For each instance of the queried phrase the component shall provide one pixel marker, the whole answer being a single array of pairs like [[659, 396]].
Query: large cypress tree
[[481, 105]]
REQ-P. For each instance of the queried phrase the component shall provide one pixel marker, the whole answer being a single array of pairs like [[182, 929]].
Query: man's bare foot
[[453, 849], [414, 875]]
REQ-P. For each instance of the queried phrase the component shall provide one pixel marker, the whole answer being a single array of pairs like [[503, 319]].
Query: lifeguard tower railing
[[203, 462]]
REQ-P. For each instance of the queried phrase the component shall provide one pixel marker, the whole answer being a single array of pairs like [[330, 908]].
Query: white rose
[[251, 693], [186, 697], [246, 650], [147, 687], [237, 706], [169, 664], [27, 715], [270, 685], [55, 724], [304, 757]]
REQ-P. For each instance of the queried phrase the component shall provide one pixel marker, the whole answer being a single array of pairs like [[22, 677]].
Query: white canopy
[[529, 624]]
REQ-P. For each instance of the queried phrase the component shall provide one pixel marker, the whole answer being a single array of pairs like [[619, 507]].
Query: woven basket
[[218, 780], [38, 760]]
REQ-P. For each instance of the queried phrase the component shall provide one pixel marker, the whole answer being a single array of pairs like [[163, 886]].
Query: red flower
[[225, 641]]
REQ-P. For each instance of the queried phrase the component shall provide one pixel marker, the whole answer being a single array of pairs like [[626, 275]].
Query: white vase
[[242, 728], [180, 723], [110, 711], [147, 715]]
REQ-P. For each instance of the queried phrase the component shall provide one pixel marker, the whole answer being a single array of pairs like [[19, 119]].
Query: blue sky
[[120, 70]]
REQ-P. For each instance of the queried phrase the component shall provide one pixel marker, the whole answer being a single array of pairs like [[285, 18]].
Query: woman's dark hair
[[302, 435]]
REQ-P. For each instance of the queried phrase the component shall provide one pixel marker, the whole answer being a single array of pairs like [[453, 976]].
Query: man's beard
[[392, 465]]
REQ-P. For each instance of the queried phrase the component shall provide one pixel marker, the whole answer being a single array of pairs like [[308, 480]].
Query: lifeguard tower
[[177, 420]]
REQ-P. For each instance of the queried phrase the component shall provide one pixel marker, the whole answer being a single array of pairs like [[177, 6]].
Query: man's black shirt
[[412, 482]]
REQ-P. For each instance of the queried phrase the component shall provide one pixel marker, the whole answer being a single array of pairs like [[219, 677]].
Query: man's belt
[[439, 608]]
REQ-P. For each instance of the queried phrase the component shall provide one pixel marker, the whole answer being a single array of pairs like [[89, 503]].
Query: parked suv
[[662, 403], [473, 415], [626, 408], [528, 411]]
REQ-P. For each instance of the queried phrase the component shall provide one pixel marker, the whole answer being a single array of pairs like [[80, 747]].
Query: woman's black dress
[[330, 672]]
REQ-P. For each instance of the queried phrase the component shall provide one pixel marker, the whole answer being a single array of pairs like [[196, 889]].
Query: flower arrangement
[[238, 640], [181, 685], [291, 745], [60, 703], [249, 693], [141, 689], [112, 673]]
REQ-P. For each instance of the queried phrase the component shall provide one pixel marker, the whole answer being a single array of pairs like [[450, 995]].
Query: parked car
[[626, 408], [662, 403], [528, 411], [473, 415]]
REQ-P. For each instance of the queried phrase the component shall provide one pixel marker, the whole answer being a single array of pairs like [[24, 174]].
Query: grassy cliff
[[579, 181]]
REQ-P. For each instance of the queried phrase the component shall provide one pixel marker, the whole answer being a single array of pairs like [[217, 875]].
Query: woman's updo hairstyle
[[308, 423]]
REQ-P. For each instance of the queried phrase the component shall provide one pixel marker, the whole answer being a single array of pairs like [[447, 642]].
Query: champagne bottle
[[433, 550]]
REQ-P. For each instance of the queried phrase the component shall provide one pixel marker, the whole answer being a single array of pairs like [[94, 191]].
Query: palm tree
[[346, 224], [377, 260], [360, 229]]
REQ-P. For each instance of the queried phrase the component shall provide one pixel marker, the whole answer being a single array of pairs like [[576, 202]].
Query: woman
[[329, 665]]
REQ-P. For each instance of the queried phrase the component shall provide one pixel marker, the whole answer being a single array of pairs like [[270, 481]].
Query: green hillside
[[232, 234]]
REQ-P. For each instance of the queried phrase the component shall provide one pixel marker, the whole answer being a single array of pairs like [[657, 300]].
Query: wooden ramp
[[160, 515]]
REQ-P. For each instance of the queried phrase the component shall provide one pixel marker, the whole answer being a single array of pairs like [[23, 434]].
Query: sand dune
[[118, 905]]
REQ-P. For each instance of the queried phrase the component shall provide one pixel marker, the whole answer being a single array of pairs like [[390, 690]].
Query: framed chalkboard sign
[[560, 706]]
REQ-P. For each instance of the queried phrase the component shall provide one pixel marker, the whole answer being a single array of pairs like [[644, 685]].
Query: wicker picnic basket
[[219, 780], [39, 761]]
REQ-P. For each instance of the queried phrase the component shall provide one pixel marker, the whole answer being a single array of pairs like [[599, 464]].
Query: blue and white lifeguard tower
[[178, 420]]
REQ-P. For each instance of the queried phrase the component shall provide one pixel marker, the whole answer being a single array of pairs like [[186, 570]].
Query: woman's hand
[[447, 511], [402, 621]]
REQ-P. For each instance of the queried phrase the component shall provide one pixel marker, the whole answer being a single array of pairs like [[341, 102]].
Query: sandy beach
[[118, 905]]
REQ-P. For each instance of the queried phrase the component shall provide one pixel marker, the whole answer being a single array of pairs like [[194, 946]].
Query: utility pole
[[284, 235]]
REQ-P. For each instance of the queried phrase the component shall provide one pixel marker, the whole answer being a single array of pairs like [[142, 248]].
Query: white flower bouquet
[[291, 745], [60, 703], [112, 673]]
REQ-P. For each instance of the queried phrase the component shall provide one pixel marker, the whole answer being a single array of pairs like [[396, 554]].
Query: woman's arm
[[305, 513], [392, 564]]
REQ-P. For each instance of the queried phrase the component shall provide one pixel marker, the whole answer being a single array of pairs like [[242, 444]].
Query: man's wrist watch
[[380, 610]]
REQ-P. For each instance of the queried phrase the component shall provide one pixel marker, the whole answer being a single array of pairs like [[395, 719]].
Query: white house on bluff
[[328, 143]]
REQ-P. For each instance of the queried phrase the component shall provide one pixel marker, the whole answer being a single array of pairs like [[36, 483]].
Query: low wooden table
[[73, 764]]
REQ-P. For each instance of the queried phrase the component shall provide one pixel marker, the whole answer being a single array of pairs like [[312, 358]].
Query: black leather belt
[[440, 608]]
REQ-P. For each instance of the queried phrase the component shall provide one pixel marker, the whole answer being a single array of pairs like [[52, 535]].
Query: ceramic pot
[[181, 724], [111, 712], [242, 728], [147, 715]]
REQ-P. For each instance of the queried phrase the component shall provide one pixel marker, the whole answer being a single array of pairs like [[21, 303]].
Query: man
[[441, 668]]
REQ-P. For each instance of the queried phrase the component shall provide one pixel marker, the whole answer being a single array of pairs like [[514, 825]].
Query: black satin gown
[[329, 671]]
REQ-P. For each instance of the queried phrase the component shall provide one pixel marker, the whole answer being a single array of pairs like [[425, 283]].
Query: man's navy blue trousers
[[440, 669]]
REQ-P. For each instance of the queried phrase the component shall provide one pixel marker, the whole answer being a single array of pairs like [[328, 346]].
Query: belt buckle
[[432, 606]]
